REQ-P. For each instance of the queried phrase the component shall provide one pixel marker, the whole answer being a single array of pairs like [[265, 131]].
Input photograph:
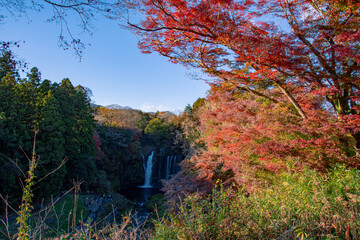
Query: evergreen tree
[[62, 115], [79, 129], [28, 110], [7, 64], [50, 147], [10, 128]]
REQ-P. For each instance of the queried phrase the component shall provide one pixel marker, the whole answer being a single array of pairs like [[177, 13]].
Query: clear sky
[[112, 67]]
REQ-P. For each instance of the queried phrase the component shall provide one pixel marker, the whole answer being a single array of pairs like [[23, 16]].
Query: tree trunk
[[292, 100]]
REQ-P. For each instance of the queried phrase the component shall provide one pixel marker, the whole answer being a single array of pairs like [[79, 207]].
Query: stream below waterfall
[[140, 196]]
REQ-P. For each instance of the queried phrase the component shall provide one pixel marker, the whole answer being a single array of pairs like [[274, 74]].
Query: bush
[[302, 205]]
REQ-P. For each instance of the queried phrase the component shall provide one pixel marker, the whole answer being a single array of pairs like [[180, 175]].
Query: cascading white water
[[144, 166], [148, 171], [168, 163]]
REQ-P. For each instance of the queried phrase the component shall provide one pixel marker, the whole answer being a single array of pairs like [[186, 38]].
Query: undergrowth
[[303, 205]]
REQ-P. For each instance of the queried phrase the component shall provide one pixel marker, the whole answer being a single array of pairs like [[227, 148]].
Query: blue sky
[[112, 67]]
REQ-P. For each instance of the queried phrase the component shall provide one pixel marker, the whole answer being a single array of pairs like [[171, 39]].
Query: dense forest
[[62, 119], [272, 151], [72, 136]]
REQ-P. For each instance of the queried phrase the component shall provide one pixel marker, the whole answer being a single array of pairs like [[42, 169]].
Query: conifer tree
[[10, 127], [50, 147]]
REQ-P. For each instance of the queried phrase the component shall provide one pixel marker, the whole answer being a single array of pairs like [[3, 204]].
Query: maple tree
[[291, 45], [250, 139], [286, 86]]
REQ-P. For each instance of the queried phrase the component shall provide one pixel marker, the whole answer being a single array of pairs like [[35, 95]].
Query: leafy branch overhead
[[292, 45], [65, 13]]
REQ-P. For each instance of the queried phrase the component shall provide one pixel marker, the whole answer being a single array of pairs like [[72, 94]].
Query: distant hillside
[[115, 115]]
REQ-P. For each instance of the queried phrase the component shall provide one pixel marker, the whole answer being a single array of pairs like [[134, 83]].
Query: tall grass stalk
[[25, 207]]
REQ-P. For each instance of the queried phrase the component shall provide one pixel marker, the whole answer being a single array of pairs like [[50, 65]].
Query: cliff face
[[165, 162], [122, 156], [123, 149], [121, 162]]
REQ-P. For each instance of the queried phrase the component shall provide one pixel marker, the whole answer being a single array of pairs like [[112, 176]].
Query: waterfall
[[148, 171], [143, 161], [174, 164], [168, 164]]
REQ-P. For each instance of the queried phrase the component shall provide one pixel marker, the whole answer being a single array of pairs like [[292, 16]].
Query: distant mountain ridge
[[117, 106]]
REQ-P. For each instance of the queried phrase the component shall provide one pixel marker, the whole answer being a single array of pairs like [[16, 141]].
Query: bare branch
[[15, 164], [53, 171], [7, 204]]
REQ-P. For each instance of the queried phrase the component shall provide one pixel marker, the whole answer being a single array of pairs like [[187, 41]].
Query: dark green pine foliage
[[10, 128], [50, 147], [7, 64], [62, 115], [9, 120], [79, 130], [35, 96], [28, 110]]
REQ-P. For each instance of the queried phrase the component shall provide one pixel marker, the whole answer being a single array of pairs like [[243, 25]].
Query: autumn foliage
[[286, 80], [283, 43], [249, 139]]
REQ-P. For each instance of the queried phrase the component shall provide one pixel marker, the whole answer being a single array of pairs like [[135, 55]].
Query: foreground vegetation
[[302, 205]]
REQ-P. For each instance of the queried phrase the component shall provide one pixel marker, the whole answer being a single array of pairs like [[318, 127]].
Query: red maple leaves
[[247, 136], [312, 44], [288, 75]]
